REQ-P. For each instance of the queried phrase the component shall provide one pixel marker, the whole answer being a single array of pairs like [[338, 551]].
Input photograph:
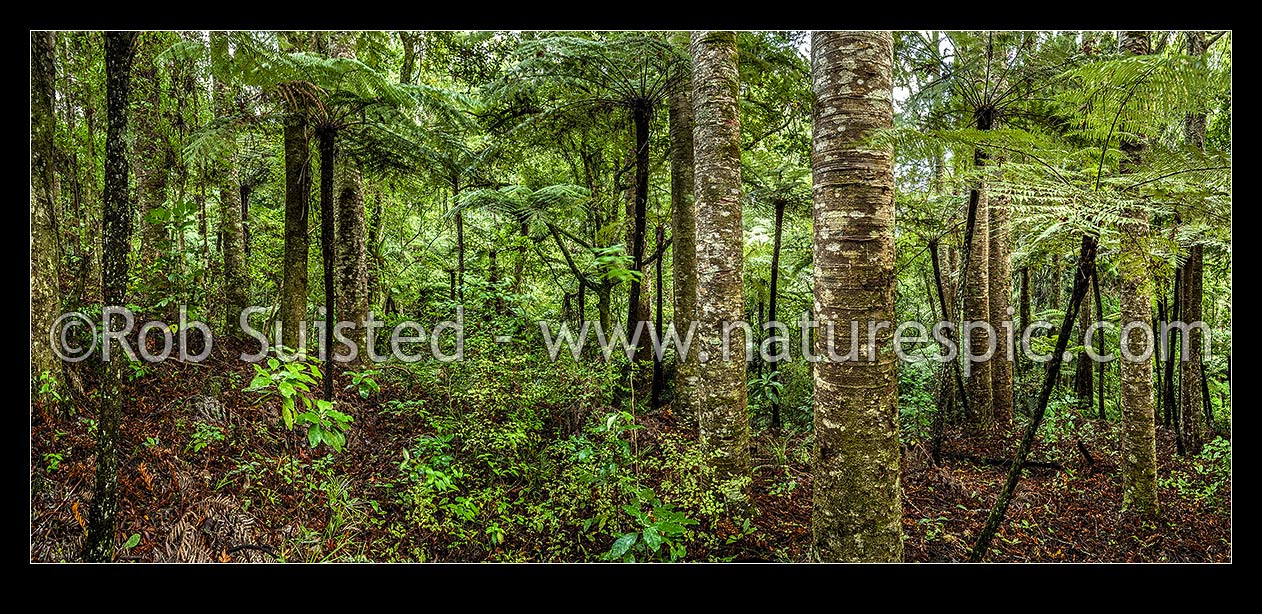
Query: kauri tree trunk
[[857, 513], [1139, 448], [683, 242], [236, 286], [1000, 309], [724, 424]]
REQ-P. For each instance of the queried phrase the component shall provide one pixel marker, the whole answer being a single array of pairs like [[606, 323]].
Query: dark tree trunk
[[1023, 362], [1083, 384], [659, 375], [1099, 316], [1158, 321], [1171, 358], [771, 304], [245, 218], [328, 140], [45, 293], [297, 199], [115, 245], [641, 116], [1190, 412], [455, 196]]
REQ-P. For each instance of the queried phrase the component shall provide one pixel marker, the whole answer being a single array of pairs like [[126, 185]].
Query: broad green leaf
[[622, 544]]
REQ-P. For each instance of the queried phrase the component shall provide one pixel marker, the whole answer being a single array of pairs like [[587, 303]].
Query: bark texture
[[684, 242], [1083, 369], [977, 309], [1190, 389], [1139, 447], [45, 295], [724, 424], [1000, 303], [293, 306], [115, 245], [236, 283], [351, 233], [857, 513], [153, 157]]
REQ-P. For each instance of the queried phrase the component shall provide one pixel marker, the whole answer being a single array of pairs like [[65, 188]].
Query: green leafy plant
[[324, 424], [292, 381], [364, 382], [139, 369], [658, 531], [53, 460], [767, 387], [49, 387], [205, 434]]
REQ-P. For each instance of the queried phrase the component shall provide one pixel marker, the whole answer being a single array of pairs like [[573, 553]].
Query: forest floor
[[251, 494]]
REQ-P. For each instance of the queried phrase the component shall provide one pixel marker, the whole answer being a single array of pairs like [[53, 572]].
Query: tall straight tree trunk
[[637, 303], [246, 190], [1194, 424], [236, 284], [153, 160], [455, 197], [771, 301], [352, 250], [1192, 418], [977, 309], [857, 514], [1084, 387], [659, 373], [116, 243], [1000, 309], [1139, 447], [684, 241], [1173, 353], [724, 424], [45, 295], [352, 255], [951, 372], [407, 70], [328, 163], [297, 200], [1099, 335], [1022, 362]]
